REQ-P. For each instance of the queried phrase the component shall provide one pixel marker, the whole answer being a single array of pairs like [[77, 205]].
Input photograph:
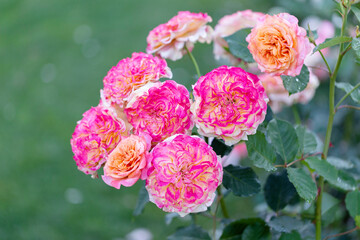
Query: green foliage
[[298, 83], [352, 202], [285, 224], [246, 229], [290, 236], [279, 191], [347, 87], [330, 205], [261, 152], [238, 45], [283, 138], [356, 47], [242, 181], [307, 140], [332, 42], [190, 233], [340, 163], [303, 183], [335, 177], [356, 11]]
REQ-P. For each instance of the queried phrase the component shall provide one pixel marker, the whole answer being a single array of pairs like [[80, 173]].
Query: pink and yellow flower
[[228, 25], [95, 136], [160, 110], [169, 39], [183, 175], [279, 45], [229, 104], [279, 96], [130, 74], [127, 162]]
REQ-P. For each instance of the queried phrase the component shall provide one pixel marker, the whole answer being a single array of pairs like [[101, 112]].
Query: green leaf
[[345, 181], [285, 224], [323, 168], [143, 199], [340, 163], [220, 147], [356, 47], [356, 11], [330, 206], [246, 229], [190, 233], [357, 221], [298, 83], [242, 181], [261, 152], [290, 236], [284, 139], [307, 140], [303, 183], [279, 191], [347, 87], [335, 177], [256, 231], [332, 42], [238, 45], [352, 202]]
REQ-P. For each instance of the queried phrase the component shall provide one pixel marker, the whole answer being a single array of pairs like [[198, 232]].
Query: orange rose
[[279, 45], [127, 162]]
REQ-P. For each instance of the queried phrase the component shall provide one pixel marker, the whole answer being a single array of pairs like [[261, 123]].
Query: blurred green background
[[53, 56]]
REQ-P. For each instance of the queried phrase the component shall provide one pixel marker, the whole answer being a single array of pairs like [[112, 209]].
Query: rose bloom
[[183, 175], [279, 45], [279, 96], [169, 39], [227, 26], [160, 110], [130, 74], [127, 162], [95, 136], [229, 104]]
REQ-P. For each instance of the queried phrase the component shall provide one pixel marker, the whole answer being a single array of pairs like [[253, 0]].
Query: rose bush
[[142, 128]]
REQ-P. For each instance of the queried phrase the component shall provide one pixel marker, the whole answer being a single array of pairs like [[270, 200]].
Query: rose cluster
[[142, 127]]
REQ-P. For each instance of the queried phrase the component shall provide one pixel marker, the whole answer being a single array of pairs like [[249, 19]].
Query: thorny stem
[[220, 196], [347, 106], [296, 114], [194, 62], [214, 219], [346, 95], [329, 127], [222, 203], [298, 160], [341, 234]]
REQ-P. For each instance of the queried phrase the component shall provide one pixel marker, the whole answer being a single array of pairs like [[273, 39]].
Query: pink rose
[[279, 45], [183, 175], [95, 136], [169, 39], [229, 104], [227, 26], [160, 110], [127, 162], [279, 96], [130, 74]]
